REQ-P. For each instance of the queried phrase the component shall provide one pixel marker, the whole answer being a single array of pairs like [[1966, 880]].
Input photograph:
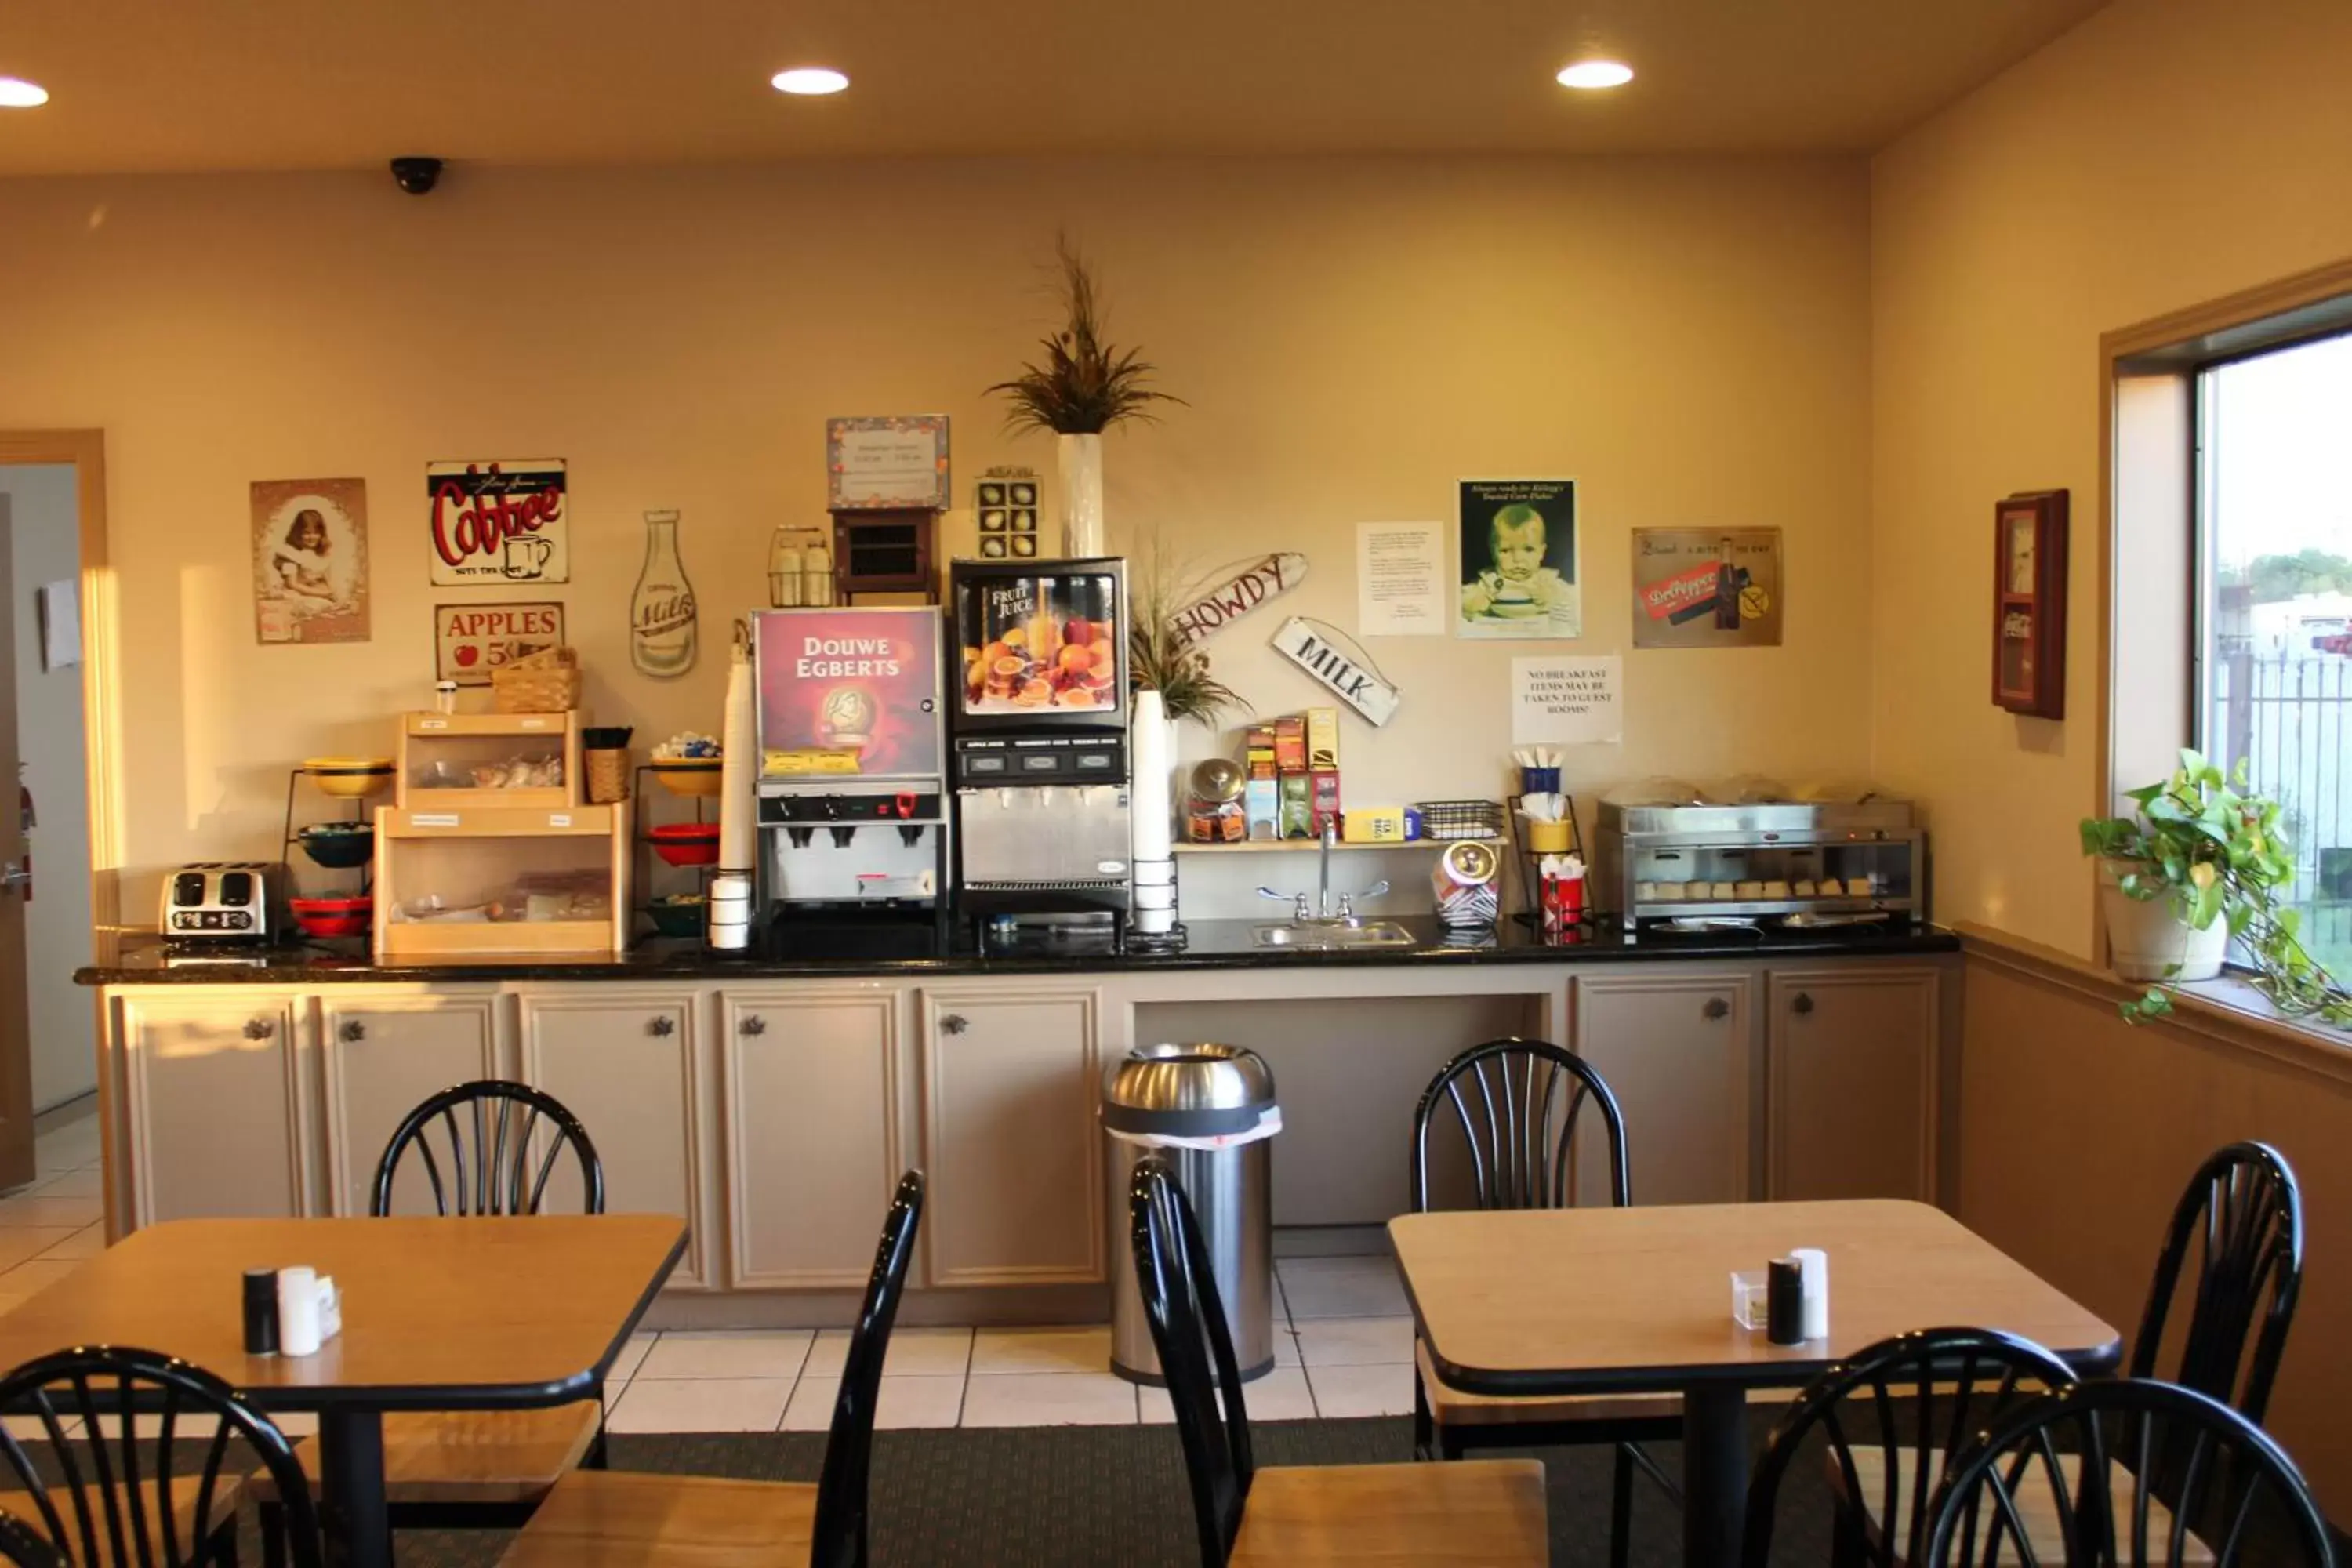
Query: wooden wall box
[[467, 741], [2029, 604], [885, 550]]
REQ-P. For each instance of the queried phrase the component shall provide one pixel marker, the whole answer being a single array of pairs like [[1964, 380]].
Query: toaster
[[223, 901]]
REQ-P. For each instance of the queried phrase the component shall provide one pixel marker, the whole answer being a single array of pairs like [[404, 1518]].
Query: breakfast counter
[[773, 1103]]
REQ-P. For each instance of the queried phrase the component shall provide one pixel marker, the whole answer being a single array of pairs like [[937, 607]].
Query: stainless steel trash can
[[1211, 1109]]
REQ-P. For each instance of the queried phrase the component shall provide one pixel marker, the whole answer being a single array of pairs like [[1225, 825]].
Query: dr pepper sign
[[495, 523]]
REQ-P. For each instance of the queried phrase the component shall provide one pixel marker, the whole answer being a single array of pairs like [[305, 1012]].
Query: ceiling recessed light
[[1595, 74], [16, 93], [809, 82]]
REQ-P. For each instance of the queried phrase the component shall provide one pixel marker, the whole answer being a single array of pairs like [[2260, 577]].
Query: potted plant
[[2200, 863], [1081, 386], [1158, 658]]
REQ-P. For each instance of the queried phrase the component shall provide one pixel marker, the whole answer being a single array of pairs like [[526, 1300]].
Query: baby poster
[[1518, 559], [310, 561]]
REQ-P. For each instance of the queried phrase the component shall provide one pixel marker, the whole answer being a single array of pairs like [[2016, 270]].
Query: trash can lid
[[1193, 1076]]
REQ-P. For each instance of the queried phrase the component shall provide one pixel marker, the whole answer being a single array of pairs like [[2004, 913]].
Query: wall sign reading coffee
[[502, 521], [474, 639]]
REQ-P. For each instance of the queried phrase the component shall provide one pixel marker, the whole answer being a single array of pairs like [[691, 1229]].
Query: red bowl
[[332, 917], [687, 842]]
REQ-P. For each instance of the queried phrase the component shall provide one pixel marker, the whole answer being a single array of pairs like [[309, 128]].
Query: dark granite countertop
[[1213, 944]]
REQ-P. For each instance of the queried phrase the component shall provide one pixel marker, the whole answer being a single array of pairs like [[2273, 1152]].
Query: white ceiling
[[143, 85]]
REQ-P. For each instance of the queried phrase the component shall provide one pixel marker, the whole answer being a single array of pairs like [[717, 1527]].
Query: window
[[2274, 615]]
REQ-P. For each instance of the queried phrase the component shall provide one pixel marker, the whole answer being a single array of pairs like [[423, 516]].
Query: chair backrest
[[113, 1500], [1517, 1116], [1179, 1290], [839, 1533], [2041, 1485], [1916, 1398], [22, 1546], [2244, 1212], [488, 1149]]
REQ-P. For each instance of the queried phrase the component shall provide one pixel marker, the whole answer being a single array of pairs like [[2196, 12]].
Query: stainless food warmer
[[1766, 864]]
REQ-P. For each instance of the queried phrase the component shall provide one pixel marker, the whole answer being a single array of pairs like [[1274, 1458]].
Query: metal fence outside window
[[2287, 718]]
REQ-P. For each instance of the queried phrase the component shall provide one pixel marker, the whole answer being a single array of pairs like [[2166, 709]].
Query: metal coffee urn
[[1210, 1109]]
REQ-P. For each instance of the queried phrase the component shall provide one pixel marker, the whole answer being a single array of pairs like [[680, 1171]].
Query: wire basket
[[1461, 818]]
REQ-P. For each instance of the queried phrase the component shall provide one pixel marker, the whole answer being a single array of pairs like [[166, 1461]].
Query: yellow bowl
[[349, 778], [689, 776]]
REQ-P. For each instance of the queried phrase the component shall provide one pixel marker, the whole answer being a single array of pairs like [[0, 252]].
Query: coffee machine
[[1040, 733], [855, 827]]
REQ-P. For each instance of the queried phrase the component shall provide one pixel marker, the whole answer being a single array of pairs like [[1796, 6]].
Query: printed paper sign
[[1706, 587], [1401, 579], [1567, 701], [495, 523], [1228, 602], [887, 463], [471, 640]]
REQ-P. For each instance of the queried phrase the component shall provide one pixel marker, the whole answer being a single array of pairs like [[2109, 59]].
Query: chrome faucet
[[1322, 912]]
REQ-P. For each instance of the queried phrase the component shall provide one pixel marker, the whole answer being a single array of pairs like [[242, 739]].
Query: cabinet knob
[[259, 1028], [954, 1023], [1802, 1003], [752, 1025], [1717, 1007], [661, 1027], [353, 1030]]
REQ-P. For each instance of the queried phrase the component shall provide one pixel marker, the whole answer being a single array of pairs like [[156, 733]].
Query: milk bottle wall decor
[[662, 631]]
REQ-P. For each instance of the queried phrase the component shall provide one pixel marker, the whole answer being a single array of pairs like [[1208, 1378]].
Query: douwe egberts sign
[[496, 522]]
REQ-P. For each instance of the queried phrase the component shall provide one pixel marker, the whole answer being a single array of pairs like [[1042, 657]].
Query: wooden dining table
[[439, 1314], [1618, 1301]]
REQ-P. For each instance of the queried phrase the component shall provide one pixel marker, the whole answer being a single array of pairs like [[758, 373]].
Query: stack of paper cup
[[1154, 896], [727, 925], [1152, 809], [727, 922]]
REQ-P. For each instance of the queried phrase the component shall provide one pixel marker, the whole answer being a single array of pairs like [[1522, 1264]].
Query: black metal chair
[[502, 1119], [2244, 1212], [1892, 1416], [614, 1518], [124, 1493], [22, 1546], [1517, 1119], [2198, 1483], [1487, 1512], [478, 1469]]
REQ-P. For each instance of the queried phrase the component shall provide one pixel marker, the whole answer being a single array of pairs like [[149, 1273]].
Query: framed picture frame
[[2029, 604], [887, 463]]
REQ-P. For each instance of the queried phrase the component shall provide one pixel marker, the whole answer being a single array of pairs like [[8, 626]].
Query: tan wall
[[2164, 152], [1686, 338], [2078, 1133]]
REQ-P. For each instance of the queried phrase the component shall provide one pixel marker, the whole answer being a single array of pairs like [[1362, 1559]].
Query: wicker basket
[[607, 773], [543, 682]]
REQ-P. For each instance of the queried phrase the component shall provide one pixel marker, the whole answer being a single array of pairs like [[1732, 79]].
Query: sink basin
[[1365, 933]]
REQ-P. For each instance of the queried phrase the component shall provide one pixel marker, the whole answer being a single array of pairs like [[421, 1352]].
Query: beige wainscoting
[[2079, 1130]]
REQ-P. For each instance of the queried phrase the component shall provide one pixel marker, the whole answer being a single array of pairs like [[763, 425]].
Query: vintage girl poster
[[1518, 559], [310, 561]]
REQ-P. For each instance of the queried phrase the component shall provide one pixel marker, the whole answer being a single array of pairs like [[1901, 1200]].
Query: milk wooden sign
[[1237, 597], [1358, 686]]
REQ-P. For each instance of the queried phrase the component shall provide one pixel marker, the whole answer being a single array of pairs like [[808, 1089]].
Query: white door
[[15, 1016]]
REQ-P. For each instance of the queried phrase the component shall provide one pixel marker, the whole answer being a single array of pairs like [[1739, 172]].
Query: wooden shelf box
[[490, 857], [462, 742]]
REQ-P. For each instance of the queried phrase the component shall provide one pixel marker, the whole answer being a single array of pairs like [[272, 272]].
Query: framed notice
[[498, 523], [1518, 543], [1706, 587], [310, 561], [471, 640], [2029, 604], [893, 463]]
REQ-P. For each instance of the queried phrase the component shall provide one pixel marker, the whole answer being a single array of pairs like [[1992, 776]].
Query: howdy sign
[[1236, 598], [474, 639], [499, 522], [1357, 686]]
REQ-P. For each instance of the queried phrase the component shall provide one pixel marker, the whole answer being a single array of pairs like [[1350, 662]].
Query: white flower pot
[[1082, 494], [2148, 937]]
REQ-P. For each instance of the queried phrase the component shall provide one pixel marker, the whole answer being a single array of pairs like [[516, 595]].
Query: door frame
[[101, 706]]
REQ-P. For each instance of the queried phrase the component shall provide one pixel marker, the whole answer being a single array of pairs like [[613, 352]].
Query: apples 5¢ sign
[[475, 639]]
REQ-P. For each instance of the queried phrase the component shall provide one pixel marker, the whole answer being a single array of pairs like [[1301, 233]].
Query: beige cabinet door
[[213, 1093], [381, 1055], [627, 1061], [1851, 1093], [1673, 1047], [810, 1081], [1009, 1142]]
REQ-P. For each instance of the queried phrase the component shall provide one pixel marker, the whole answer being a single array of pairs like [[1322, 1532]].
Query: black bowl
[[340, 846]]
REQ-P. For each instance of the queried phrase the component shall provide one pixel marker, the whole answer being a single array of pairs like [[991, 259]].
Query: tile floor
[[1343, 1344]]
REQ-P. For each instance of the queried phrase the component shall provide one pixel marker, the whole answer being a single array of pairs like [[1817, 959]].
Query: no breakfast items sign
[[474, 639]]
